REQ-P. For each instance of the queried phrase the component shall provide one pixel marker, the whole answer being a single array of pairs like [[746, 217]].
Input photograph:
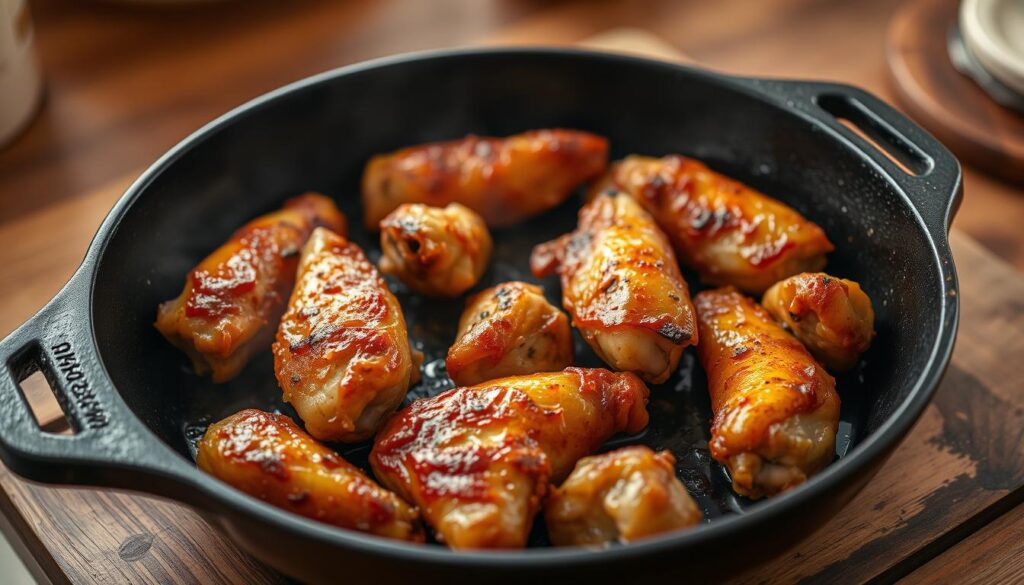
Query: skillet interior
[[320, 137]]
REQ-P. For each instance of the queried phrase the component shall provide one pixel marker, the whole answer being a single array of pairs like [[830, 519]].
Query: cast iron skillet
[[136, 407]]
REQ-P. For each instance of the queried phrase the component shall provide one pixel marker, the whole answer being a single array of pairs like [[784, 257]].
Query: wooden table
[[124, 84]]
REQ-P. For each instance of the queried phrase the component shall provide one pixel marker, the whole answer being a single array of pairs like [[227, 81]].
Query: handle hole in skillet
[[40, 396], [853, 114]]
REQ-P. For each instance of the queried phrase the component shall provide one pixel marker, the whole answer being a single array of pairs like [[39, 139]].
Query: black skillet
[[136, 406]]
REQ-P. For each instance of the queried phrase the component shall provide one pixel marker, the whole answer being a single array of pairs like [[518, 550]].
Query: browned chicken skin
[[269, 457], [477, 460], [509, 330], [232, 300], [776, 410], [435, 251], [726, 231], [622, 286], [342, 352], [506, 180], [621, 496], [831, 316]]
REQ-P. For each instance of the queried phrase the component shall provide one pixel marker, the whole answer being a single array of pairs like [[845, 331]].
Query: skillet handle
[[109, 446], [926, 170]]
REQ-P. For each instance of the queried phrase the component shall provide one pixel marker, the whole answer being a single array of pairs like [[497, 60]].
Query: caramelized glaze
[[776, 410], [478, 459], [505, 180], [342, 354], [269, 457], [728, 232], [232, 300]]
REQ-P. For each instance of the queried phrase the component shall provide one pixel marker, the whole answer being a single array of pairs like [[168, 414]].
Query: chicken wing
[[269, 457], [726, 231], [477, 460], [509, 330], [776, 410], [621, 496], [435, 251], [506, 180], [622, 286], [342, 352], [831, 316], [232, 300]]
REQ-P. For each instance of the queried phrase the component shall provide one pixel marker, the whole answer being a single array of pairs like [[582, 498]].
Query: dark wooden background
[[125, 83]]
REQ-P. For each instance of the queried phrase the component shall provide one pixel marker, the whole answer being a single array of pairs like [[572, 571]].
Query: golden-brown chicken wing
[[776, 410], [435, 251], [477, 460], [509, 330], [342, 352], [831, 316], [622, 286], [269, 457], [621, 496], [506, 180], [726, 231], [232, 300]]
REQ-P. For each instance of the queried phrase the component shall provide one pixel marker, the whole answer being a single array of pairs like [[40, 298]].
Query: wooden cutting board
[[946, 507]]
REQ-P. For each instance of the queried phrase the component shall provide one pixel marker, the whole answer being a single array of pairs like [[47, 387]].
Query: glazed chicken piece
[[477, 460], [233, 299], [435, 251], [506, 180], [622, 286], [726, 231], [831, 316], [776, 410], [621, 496], [342, 352], [509, 330], [269, 457]]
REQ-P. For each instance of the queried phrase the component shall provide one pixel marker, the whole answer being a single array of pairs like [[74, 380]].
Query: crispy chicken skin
[[232, 300], [776, 410], [622, 286], [342, 352], [620, 496], [726, 231], [506, 180], [831, 316], [435, 251], [269, 457], [477, 460], [509, 330]]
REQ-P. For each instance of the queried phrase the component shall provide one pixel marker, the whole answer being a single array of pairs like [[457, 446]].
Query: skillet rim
[[858, 461]]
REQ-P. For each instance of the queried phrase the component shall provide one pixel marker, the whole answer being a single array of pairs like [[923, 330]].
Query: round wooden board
[[950, 105]]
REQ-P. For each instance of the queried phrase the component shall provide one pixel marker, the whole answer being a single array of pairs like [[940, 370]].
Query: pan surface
[[889, 228]]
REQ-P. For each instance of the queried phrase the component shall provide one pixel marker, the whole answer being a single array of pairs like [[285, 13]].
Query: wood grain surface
[[948, 104], [949, 493], [992, 555]]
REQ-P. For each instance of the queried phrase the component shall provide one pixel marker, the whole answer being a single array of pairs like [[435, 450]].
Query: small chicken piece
[[509, 330], [477, 460], [435, 251], [622, 286], [506, 180], [342, 352], [621, 496], [726, 231], [233, 299], [831, 316], [269, 457], [776, 410]]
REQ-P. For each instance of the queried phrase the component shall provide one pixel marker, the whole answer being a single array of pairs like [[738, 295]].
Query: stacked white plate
[[993, 31]]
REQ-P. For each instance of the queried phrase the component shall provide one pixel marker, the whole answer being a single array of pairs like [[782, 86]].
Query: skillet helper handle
[[918, 163], [108, 446]]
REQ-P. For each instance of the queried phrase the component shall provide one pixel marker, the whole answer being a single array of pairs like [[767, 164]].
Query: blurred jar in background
[[20, 81]]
